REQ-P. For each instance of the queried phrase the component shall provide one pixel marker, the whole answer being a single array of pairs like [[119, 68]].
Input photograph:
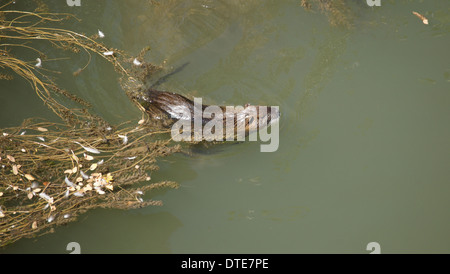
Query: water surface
[[364, 135]]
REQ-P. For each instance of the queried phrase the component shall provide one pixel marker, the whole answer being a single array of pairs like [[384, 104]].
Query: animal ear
[[247, 105]]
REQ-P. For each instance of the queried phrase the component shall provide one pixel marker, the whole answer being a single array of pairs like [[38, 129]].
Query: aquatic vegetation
[[51, 172], [56, 178], [338, 11]]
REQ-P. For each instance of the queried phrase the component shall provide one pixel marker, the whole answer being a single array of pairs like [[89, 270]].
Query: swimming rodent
[[169, 107]]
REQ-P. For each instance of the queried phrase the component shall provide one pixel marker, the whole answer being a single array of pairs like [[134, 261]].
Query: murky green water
[[364, 150]]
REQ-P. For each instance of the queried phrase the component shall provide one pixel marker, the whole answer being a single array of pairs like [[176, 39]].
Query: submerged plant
[[51, 172], [337, 11]]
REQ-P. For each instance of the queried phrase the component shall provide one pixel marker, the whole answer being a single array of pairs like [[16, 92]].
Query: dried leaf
[[75, 157], [124, 139], [136, 62], [69, 171], [88, 157], [68, 182], [89, 149], [42, 129], [10, 158], [93, 167], [87, 187], [30, 195], [34, 225], [46, 197], [39, 63], [84, 175], [29, 177], [423, 18], [78, 194], [15, 170]]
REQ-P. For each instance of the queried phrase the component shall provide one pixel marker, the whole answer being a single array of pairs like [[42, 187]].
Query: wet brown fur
[[162, 105]]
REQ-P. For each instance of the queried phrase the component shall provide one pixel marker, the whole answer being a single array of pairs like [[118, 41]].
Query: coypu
[[170, 108]]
